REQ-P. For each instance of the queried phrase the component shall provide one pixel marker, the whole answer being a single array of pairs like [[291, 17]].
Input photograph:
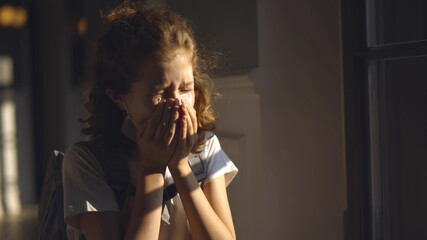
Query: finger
[[170, 134], [175, 140], [183, 129], [164, 121], [187, 120], [154, 120], [190, 130], [192, 119], [193, 116]]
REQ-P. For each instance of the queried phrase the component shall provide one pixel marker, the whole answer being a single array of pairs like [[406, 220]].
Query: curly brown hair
[[130, 33]]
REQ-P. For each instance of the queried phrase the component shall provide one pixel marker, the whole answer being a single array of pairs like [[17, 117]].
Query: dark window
[[385, 81]]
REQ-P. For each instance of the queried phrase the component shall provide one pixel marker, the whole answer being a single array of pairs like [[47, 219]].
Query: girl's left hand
[[187, 134]]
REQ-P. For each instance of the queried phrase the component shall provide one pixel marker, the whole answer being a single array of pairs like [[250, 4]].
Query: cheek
[[143, 110]]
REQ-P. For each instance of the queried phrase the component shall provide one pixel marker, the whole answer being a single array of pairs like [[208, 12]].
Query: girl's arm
[[208, 212], [100, 225], [145, 219], [216, 193], [209, 215], [147, 209], [155, 145]]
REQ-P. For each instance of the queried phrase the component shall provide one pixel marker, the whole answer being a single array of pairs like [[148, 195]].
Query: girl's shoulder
[[81, 154], [81, 146], [212, 145], [216, 160]]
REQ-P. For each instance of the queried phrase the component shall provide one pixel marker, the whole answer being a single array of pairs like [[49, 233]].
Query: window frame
[[356, 57]]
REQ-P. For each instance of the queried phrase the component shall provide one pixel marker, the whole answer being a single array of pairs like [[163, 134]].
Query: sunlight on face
[[160, 80]]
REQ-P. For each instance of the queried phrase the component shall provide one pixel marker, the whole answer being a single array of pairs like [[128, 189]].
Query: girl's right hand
[[156, 141]]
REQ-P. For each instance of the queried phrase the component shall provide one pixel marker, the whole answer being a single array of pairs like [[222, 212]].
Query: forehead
[[176, 70]]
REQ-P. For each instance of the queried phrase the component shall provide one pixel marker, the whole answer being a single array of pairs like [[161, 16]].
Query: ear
[[116, 97]]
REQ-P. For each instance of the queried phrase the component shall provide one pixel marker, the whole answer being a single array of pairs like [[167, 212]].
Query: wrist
[[145, 168], [153, 179], [180, 168]]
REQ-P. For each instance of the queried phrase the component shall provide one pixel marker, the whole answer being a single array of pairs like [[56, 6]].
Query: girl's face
[[158, 80]]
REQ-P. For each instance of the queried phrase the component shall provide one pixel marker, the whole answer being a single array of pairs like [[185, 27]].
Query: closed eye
[[185, 90]]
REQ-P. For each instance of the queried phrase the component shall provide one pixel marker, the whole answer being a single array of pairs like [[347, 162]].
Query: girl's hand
[[187, 135], [157, 141]]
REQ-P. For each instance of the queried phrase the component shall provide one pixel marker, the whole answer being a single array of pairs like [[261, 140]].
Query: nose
[[174, 95]]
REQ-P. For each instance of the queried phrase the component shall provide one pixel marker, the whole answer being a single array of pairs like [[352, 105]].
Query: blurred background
[[324, 109]]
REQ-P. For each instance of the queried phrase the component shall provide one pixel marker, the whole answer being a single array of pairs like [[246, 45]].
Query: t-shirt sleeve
[[85, 188], [217, 162]]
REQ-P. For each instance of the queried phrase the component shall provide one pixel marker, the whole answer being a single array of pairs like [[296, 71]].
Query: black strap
[[169, 192]]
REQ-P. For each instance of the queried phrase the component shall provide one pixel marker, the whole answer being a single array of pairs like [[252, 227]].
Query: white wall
[[299, 80]]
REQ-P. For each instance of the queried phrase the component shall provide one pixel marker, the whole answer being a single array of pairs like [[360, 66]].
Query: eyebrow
[[159, 87], [189, 82]]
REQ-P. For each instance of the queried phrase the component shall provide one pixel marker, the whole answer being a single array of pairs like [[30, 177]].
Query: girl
[[149, 112]]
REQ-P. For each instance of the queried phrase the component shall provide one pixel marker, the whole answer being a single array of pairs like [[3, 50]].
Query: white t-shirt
[[86, 190]]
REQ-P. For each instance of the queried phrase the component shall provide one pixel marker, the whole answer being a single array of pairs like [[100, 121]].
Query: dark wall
[[230, 26], [62, 58]]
